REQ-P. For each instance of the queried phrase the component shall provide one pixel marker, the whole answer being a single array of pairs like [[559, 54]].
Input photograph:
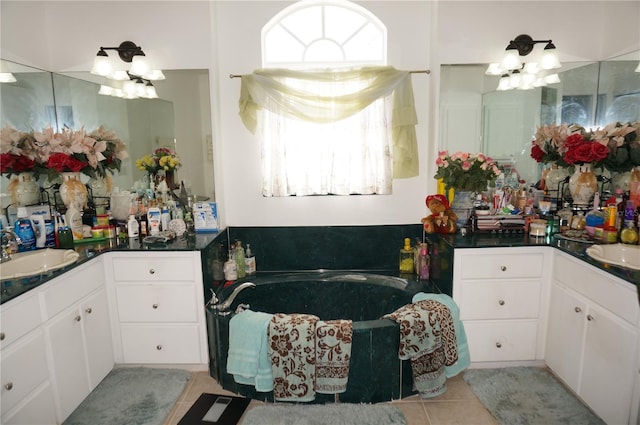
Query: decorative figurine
[[442, 218]]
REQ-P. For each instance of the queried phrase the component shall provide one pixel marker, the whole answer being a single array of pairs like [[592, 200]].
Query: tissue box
[[205, 217]]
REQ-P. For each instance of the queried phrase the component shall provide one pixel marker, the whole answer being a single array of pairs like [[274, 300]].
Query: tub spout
[[224, 306]]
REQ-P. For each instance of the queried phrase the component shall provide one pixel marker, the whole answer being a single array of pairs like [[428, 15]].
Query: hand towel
[[248, 359], [333, 354], [459, 336], [292, 349]]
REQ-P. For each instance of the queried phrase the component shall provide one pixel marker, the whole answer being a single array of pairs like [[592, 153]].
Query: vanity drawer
[[66, 290], [23, 368], [500, 300], [160, 344], [504, 340], [18, 318], [157, 303], [474, 264], [614, 294], [154, 269]]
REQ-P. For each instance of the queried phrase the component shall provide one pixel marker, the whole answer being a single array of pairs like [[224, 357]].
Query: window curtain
[[361, 121]]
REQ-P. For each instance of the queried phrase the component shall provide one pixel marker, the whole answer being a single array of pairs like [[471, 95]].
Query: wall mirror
[[179, 119], [502, 123]]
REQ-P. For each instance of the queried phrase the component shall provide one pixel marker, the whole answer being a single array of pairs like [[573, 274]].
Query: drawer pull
[[152, 271], [88, 310], [77, 318], [1, 336], [590, 317], [503, 268], [577, 309], [499, 344], [9, 386], [155, 306], [501, 302], [158, 347]]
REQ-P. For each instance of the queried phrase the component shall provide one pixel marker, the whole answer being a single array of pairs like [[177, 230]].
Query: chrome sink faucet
[[6, 235]]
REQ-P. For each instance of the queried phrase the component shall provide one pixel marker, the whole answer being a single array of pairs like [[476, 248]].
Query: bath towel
[[248, 359], [457, 337], [421, 343], [333, 353], [292, 349]]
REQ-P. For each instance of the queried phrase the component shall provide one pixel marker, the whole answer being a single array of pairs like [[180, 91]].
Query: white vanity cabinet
[[27, 394], [500, 295], [158, 307], [78, 333], [592, 336]]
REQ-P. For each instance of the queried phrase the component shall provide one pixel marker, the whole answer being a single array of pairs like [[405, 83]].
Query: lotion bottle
[[133, 227]]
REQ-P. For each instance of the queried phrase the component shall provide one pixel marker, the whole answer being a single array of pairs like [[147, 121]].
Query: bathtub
[[376, 373]]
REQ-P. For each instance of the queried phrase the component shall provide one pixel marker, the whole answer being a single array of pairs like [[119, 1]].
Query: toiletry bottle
[[65, 237], [423, 262], [249, 261], [406, 257], [629, 233], [238, 256], [565, 215], [153, 220], [133, 227], [24, 230], [37, 221], [230, 268], [164, 219], [73, 219]]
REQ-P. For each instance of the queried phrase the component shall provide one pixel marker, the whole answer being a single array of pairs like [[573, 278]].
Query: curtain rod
[[419, 71]]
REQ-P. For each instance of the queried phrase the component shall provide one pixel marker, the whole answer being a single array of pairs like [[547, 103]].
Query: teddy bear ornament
[[442, 218]]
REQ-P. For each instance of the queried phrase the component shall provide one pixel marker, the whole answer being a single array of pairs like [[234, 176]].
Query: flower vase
[[24, 189], [170, 179], [100, 189], [462, 205], [554, 178], [634, 187], [73, 192], [583, 185]]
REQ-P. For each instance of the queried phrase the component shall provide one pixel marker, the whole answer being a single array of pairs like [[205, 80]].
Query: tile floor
[[456, 406]]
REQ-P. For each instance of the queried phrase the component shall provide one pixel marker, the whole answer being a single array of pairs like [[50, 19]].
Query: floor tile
[[414, 413], [458, 412]]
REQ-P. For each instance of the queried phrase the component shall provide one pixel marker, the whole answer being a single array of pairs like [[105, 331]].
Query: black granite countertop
[[11, 288], [575, 249]]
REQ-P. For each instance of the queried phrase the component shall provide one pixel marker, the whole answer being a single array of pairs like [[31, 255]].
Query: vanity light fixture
[[133, 88], [129, 52], [524, 75], [7, 77], [638, 68]]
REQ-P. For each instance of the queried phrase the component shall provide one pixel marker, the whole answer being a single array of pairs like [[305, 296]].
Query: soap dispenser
[[406, 257]]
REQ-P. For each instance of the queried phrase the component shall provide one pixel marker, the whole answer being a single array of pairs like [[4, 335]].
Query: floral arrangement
[[464, 171], [615, 147], [161, 159], [51, 152]]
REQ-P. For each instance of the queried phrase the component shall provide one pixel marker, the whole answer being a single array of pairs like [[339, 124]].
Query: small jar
[[538, 228]]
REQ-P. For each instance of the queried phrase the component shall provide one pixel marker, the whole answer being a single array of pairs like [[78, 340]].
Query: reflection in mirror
[[476, 117]]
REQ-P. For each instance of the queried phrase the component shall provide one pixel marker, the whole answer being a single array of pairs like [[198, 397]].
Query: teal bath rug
[[527, 396], [126, 396], [327, 414]]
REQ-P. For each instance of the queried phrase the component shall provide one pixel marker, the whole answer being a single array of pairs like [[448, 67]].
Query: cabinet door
[[567, 318], [610, 355], [97, 334], [39, 409], [69, 360]]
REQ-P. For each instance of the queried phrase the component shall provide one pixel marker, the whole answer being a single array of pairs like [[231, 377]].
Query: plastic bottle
[[424, 262], [164, 219], [406, 257], [73, 219], [153, 220], [133, 227], [249, 261], [230, 268], [24, 230], [566, 216], [37, 221], [629, 233], [238, 256]]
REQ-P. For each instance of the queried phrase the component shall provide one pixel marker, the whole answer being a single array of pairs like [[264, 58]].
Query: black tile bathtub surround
[[371, 248]]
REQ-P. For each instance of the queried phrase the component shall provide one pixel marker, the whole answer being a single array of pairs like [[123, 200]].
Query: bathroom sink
[[36, 262], [617, 254]]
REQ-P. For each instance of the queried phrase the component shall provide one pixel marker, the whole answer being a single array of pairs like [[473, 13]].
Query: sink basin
[[36, 262], [617, 254]]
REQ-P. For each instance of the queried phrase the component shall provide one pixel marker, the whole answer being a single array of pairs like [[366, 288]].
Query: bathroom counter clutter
[[573, 248], [11, 288]]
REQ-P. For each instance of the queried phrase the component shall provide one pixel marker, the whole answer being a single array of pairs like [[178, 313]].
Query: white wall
[[224, 37]]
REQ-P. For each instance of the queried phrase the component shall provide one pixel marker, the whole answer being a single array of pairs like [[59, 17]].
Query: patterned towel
[[421, 341], [292, 349], [455, 339], [333, 352]]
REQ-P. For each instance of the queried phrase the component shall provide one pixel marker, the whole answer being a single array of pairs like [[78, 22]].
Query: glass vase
[[583, 185], [462, 205], [100, 189], [73, 192], [24, 189]]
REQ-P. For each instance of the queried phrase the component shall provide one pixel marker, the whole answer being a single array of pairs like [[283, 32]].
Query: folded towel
[[291, 346], [333, 353], [459, 337], [248, 359], [421, 343]]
